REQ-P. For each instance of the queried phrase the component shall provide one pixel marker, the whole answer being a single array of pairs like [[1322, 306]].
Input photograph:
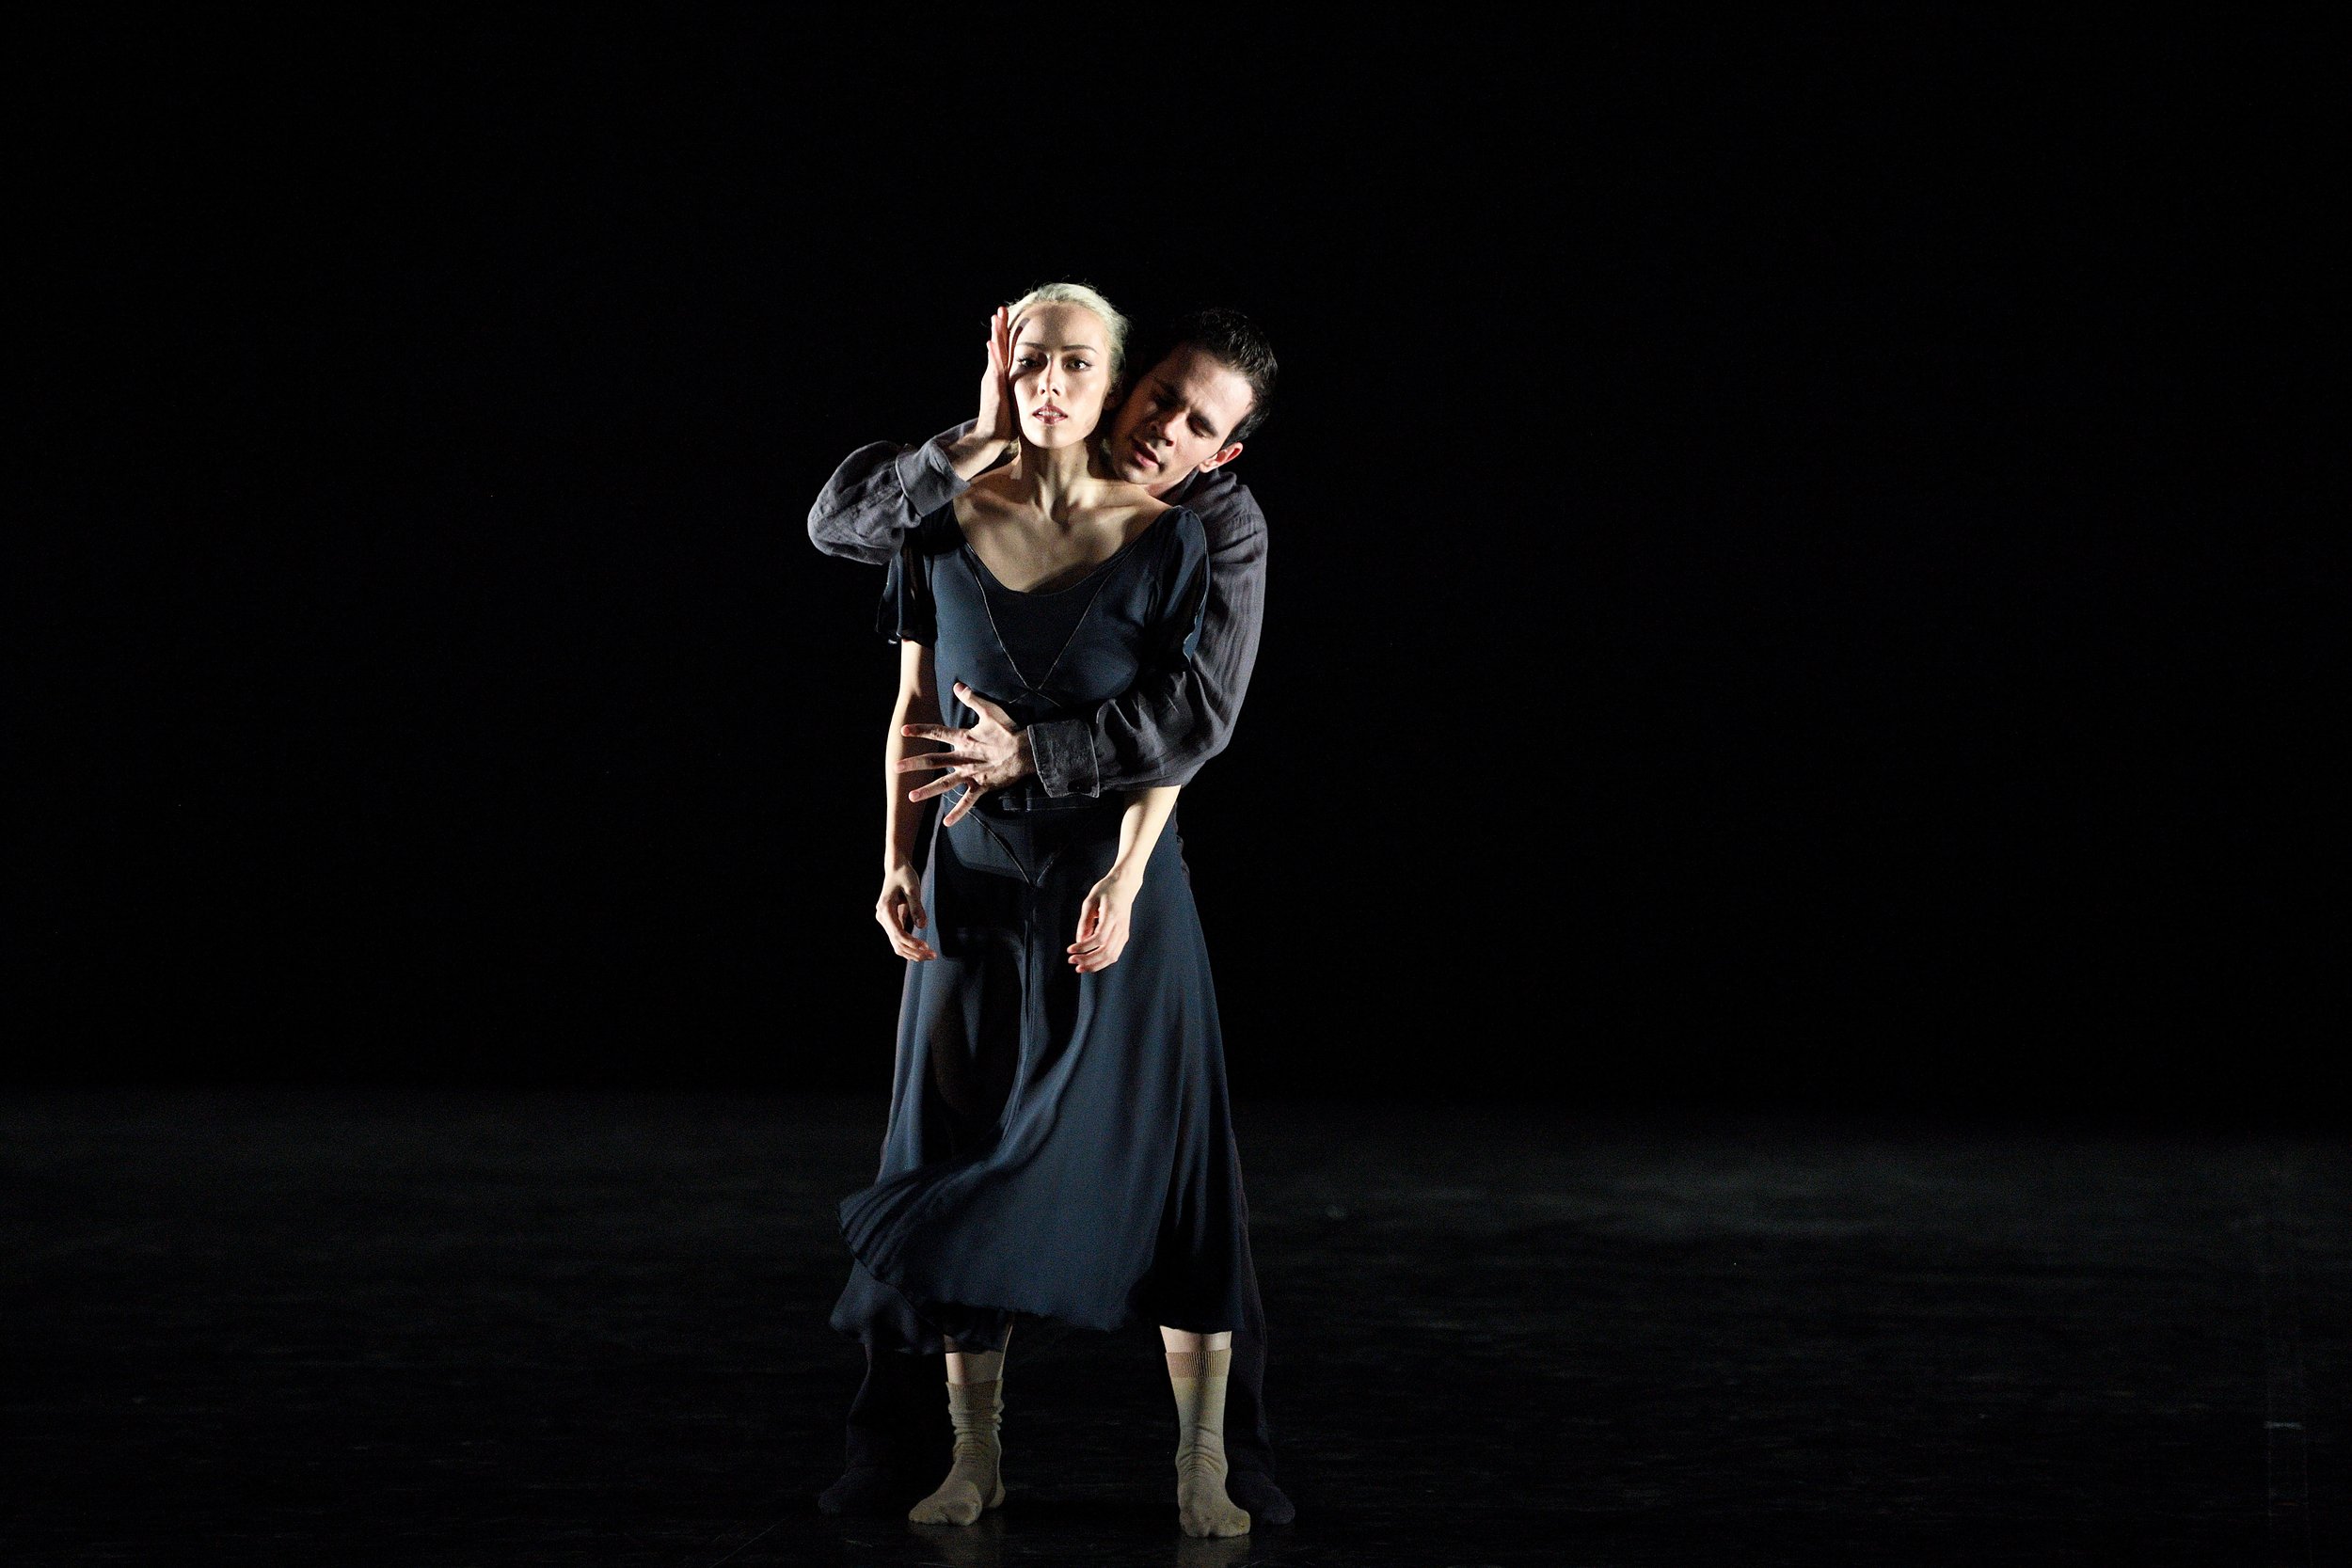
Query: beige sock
[[1197, 1380], [975, 1477]]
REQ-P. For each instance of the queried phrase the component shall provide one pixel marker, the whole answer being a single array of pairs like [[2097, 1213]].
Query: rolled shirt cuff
[[1063, 753], [928, 477]]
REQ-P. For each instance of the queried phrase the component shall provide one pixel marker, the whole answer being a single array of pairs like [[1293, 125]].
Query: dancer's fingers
[[914, 762], [940, 785], [893, 917], [963, 805], [982, 706], [1101, 949]]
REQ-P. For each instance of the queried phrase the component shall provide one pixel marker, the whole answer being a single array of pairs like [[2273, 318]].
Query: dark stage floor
[[341, 1329]]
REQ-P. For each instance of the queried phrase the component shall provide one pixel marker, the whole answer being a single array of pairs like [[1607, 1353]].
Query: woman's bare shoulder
[[987, 502], [1130, 510]]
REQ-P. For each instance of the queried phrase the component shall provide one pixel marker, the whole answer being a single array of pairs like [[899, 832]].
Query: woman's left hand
[[1104, 921]]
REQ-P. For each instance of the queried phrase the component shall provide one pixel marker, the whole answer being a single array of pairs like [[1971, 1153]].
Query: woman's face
[[1060, 372]]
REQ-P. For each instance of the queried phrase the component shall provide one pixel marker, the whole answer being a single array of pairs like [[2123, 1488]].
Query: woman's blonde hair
[[1081, 294]]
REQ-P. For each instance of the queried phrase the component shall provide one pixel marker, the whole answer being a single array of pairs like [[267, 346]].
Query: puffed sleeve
[[1183, 599], [1176, 718], [1142, 721], [906, 613]]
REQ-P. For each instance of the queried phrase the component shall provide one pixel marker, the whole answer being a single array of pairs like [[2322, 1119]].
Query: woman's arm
[[900, 909], [1104, 919]]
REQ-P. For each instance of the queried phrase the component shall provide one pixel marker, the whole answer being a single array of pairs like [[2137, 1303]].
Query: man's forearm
[[969, 456], [1162, 730], [882, 490]]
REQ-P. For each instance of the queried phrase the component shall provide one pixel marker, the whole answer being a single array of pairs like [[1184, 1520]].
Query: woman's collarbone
[[1037, 555]]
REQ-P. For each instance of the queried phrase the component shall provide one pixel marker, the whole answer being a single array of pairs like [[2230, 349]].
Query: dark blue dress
[[1058, 1144]]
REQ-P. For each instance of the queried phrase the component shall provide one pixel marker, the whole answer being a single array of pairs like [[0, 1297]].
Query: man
[[1177, 431]]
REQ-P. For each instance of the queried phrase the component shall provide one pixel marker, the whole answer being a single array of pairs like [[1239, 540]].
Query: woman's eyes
[[1026, 360]]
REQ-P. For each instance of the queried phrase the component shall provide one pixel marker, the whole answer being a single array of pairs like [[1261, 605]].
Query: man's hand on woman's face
[[998, 420], [989, 755]]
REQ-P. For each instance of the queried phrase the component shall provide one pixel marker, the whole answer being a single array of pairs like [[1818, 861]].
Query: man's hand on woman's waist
[[990, 755]]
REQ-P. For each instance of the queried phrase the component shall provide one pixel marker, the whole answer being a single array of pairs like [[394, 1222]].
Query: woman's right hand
[[998, 420], [899, 912]]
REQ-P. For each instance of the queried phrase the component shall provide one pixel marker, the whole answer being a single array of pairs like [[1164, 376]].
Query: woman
[[1058, 1142]]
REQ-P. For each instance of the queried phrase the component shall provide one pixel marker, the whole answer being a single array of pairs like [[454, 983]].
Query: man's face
[[1176, 420]]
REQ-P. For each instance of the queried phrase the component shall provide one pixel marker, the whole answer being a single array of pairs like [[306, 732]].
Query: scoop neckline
[[964, 544]]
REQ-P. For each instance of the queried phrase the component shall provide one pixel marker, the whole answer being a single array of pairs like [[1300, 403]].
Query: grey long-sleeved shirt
[[1161, 730]]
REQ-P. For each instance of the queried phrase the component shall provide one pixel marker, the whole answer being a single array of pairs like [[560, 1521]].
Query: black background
[[1798, 566]]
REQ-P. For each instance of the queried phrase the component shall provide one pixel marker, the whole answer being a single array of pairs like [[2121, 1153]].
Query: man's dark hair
[[1232, 338]]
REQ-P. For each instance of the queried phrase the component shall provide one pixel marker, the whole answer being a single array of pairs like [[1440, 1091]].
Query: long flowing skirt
[[1059, 1144]]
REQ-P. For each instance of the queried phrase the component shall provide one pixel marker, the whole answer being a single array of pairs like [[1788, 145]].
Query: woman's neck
[[1058, 481]]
